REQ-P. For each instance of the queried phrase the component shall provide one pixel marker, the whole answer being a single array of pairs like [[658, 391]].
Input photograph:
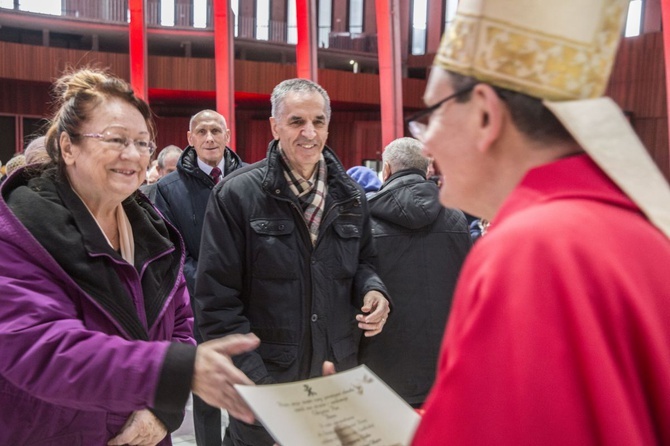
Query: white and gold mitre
[[549, 49], [561, 51]]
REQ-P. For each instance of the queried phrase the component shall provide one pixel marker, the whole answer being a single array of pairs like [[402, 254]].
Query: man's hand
[[141, 429], [376, 311], [328, 368], [215, 374]]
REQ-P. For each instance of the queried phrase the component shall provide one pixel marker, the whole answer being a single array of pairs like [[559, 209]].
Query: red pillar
[[138, 49], [306, 47], [224, 62], [665, 12], [390, 81]]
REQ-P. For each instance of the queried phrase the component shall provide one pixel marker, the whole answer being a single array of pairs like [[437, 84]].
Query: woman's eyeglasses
[[119, 142]]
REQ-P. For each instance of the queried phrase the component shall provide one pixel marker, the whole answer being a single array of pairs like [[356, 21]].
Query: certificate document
[[357, 403]]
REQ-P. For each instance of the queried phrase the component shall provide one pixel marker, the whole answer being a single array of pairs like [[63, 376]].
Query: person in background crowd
[[36, 152], [287, 254], [421, 247], [152, 172], [432, 174], [165, 164], [560, 329], [95, 323], [17, 161], [182, 198], [367, 178]]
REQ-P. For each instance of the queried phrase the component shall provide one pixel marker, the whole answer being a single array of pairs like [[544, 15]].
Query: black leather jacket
[[258, 271]]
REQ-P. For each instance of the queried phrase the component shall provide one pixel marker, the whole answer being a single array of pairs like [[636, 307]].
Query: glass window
[[8, 140], [167, 12], [200, 13], [292, 23], [262, 19], [32, 128], [235, 6], [634, 19], [7, 4], [419, 20], [325, 22], [356, 16], [449, 12], [40, 6]]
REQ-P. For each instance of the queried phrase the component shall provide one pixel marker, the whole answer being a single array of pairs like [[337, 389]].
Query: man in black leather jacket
[[287, 254], [182, 198], [421, 247]]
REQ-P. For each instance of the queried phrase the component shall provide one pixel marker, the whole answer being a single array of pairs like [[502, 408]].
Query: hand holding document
[[353, 408]]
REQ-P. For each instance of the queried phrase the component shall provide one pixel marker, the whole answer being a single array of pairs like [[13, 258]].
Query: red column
[[224, 62], [665, 12], [138, 49], [390, 81], [306, 47]]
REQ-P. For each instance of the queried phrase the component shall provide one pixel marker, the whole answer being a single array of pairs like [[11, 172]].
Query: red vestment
[[560, 330]]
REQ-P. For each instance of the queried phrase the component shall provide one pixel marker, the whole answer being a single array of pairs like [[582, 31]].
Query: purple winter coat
[[86, 338]]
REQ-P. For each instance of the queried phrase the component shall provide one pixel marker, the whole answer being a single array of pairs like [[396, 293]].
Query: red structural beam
[[138, 48], [390, 80], [224, 62], [306, 47], [665, 13]]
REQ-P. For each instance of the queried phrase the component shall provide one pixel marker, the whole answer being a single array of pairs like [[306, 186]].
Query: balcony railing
[[116, 12]]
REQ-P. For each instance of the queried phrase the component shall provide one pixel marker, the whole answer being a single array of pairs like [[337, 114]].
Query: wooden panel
[[370, 18], [258, 135], [260, 77], [342, 137], [44, 64], [38, 63], [367, 143], [637, 84], [278, 11], [340, 16], [176, 73], [172, 130], [24, 97]]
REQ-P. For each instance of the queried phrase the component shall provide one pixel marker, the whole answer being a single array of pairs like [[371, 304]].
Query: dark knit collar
[[51, 211]]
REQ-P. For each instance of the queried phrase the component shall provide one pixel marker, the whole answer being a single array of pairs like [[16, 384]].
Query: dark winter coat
[[421, 246], [74, 315], [182, 198], [258, 271]]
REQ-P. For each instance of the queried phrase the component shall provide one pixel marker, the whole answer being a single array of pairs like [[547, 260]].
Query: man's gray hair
[[297, 86], [198, 116], [167, 150], [405, 153]]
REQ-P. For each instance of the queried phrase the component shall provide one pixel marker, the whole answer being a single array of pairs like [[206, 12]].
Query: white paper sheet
[[306, 413]]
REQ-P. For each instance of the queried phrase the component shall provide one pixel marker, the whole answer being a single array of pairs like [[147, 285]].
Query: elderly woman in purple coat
[[95, 322]]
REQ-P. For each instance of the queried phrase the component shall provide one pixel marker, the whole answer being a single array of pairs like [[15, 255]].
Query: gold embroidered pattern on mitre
[[540, 65]]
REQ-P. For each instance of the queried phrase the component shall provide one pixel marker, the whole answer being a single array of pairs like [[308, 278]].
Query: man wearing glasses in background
[[560, 329]]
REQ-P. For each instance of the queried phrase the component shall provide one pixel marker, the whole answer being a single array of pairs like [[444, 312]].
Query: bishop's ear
[[491, 111]]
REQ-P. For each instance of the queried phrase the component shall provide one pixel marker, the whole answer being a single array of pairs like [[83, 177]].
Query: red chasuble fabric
[[560, 331]]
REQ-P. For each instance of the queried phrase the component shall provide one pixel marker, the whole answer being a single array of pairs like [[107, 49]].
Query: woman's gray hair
[[297, 85]]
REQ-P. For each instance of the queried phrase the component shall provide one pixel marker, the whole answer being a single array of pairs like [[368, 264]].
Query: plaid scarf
[[311, 193]]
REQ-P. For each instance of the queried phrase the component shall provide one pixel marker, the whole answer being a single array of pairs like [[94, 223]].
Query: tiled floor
[[185, 436]]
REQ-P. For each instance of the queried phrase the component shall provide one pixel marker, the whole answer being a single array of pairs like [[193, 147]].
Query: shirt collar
[[207, 168]]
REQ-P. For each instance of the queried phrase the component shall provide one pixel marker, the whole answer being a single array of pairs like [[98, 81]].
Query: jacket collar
[[575, 176], [188, 162], [340, 185], [407, 175], [73, 239]]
